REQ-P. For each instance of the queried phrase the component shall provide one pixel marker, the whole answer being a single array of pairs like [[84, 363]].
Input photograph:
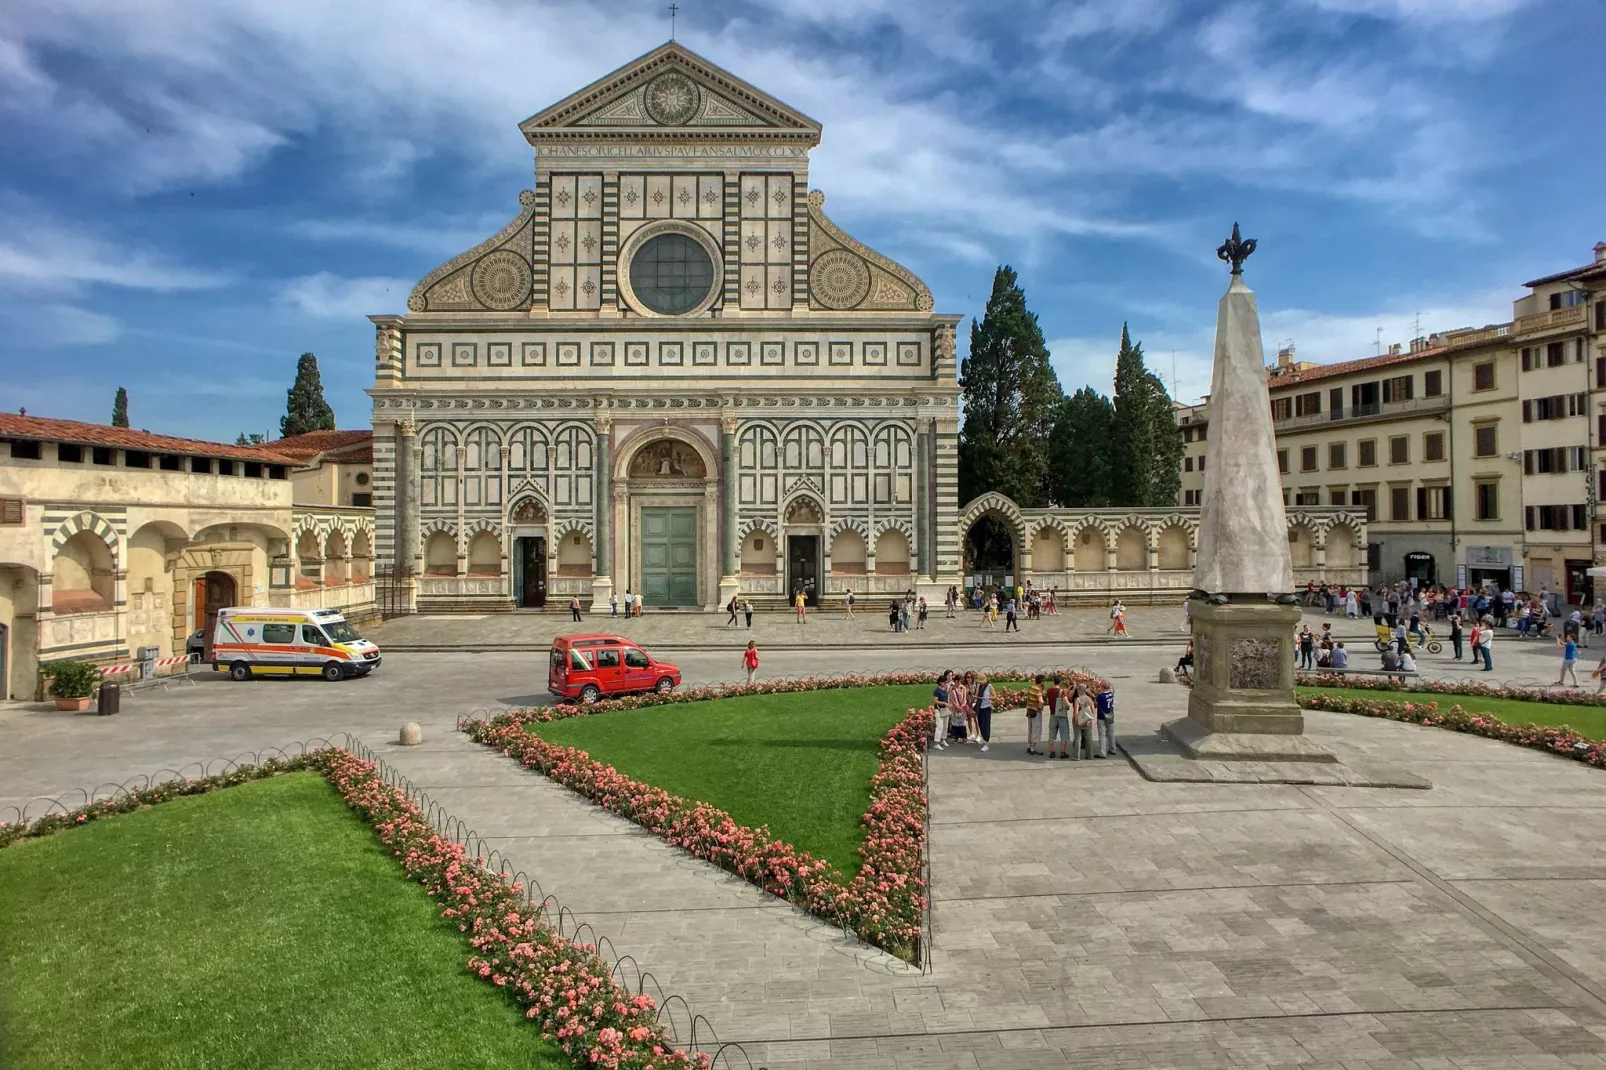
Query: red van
[[589, 667]]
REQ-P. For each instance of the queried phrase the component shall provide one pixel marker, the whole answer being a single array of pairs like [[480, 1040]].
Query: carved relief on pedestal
[[1254, 664]]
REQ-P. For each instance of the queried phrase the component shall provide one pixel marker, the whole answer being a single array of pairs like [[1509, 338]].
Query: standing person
[[731, 606], [1059, 721], [747, 611], [750, 661], [847, 601], [1485, 641], [892, 615], [574, 608], [1034, 715], [1115, 611], [613, 603], [800, 604], [905, 606], [1352, 605], [939, 710], [630, 603], [987, 612], [1105, 704], [1009, 617], [1307, 647], [959, 710], [1120, 622], [1187, 617], [1455, 634], [1082, 724], [1600, 674], [921, 624], [641, 602], [984, 709], [1569, 658], [948, 602]]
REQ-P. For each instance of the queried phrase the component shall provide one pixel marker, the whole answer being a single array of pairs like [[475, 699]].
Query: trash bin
[[110, 700]]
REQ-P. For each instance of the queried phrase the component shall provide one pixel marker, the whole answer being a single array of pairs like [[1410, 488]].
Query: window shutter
[[1528, 517], [1421, 503], [1528, 462], [1600, 367], [11, 511], [1449, 506], [1528, 412]]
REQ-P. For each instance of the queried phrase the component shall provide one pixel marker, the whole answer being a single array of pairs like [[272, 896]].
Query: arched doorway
[[529, 523], [804, 525], [989, 552], [213, 591], [671, 499]]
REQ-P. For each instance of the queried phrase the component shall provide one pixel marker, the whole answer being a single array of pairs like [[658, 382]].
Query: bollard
[[411, 734], [1168, 676]]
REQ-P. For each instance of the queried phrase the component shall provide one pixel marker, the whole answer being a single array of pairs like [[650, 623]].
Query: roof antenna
[[674, 9], [1378, 341]]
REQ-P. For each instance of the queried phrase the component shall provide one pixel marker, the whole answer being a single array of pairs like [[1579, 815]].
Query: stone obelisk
[[1243, 609]]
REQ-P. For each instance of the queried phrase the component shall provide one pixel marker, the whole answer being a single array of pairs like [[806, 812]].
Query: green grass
[[1589, 721], [256, 926], [799, 763]]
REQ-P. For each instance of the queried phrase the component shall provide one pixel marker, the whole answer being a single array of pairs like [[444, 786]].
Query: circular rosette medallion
[[839, 279], [672, 99], [502, 280]]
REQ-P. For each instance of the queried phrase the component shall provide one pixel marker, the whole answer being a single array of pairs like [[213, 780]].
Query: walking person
[[1569, 658], [1115, 612], [1059, 721], [1034, 715], [1105, 705], [984, 710], [613, 603], [921, 623], [747, 611], [1599, 673], [1082, 725], [1119, 628], [1009, 617], [731, 607], [1187, 617], [750, 661], [800, 604], [574, 608], [847, 601]]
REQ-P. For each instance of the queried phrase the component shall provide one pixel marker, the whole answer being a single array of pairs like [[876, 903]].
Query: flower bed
[[883, 904], [563, 986], [1563, 741], [1557, 696]]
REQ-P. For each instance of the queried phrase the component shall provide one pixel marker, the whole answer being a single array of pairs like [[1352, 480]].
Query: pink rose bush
[[1563, 741], [1472, 688]]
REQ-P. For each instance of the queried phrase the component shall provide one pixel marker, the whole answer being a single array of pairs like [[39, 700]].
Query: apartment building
[[1479, 455]]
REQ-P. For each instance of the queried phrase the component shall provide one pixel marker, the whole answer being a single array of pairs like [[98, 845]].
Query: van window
[[557, 659], [576, 661], [608, 658], [278, 633], [341, 631], [635, 658], [311, 636]]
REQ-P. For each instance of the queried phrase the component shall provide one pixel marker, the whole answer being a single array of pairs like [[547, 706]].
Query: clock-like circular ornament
[[672, 99]]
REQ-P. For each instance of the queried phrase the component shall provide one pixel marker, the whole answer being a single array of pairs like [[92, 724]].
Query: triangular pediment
[[670, 90]]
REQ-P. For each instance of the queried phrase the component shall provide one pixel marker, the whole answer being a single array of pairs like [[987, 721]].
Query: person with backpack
[[1105, 706], [1082, 712], [730, 607], [847, 601], [984, 710], [750, 661]]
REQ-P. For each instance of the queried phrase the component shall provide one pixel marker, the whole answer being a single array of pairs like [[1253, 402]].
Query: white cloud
[[444, 239], [329, 296], [39, 254]]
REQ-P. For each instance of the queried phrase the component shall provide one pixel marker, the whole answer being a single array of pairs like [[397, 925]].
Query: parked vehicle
[[290, 642], [589, 667], [195, 645]]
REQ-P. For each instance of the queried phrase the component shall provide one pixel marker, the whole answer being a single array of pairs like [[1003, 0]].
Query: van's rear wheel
[[334, 671], [589, 693], [665, 685], [239, 671]]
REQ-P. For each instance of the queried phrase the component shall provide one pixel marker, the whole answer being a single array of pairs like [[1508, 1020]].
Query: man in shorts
[[1059, 720]]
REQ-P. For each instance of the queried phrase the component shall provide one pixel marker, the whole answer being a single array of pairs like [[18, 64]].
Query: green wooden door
[[669, 557]]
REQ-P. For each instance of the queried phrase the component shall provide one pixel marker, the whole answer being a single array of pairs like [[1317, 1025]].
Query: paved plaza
[[1082, 916]]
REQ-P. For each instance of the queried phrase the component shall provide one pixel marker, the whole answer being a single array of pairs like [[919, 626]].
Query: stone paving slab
[[1162, 758]]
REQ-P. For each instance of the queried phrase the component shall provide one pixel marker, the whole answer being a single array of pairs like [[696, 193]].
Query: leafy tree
[[120, 408], [1011, 396], [253, 439], [1079, 450], [1145, 449], [306, 409]]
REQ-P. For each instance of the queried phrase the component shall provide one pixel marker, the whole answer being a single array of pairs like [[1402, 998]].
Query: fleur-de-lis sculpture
[[1235, 250]]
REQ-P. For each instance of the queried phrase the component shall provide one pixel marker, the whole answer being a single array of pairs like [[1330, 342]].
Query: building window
[[1366, 452], [1485, 441], [169, 463], [1187, 464], [1555, 355], [67, 453], [1527, 358], [1365, 499], [362, 501], [1483, 376], [201, 465], [1400, 449], [1397, 389], [1307, 459], [1308, 404], [1399, 503], [136, 459], [1555, 459], [671, 274], [1432, 503], [1281, 408], [1282, 457], [1201, 464], [24, 450], [1308, 496], [1556, 518], [1338, 496], [102, 455], [1433, 446], [1487, 505], [1335, 455], [1432, 384]]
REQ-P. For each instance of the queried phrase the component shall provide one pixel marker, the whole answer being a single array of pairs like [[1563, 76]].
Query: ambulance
[[289, 642]]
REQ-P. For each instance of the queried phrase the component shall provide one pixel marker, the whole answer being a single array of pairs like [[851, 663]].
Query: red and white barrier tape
[[160, 663]]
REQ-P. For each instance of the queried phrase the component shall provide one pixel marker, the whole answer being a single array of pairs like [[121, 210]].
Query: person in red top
[[750, 660]]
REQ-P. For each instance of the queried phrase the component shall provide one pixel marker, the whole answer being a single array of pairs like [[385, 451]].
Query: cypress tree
[[120, 408], [1079, 451], [1011, 397], [306, 409], [1145, 449]]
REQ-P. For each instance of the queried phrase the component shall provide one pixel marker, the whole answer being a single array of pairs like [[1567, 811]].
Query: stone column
[[406, 551], [459, 455], [926, 566], [505, 527], [602, 501], [729, 581]]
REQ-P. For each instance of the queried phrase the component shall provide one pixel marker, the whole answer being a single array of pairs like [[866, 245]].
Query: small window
[[1399, 503], [253, 470], [103, 455], [1366, 452], [312, 635], [12, 512], [1338, 496], [1433, 446], [225, 468], [136, 459], [1187, 464], [362, 501], [608, 657], [1485, 441], [277, 471], [1397, 389], [1204, 433], [1308, 496], [1555, 355], [169, 463], [1488, 500], [1282, 408], [1483, 376], [1282, 458], [1308, 404], [1307, 459], [201, 465], [67, 453], [635, 659], [1400, 449], [24, 450], [1432, 384], [279, 633], [1336, 455], [362, 479], [1201, 464]]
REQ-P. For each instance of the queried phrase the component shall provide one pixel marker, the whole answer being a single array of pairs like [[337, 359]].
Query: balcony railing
[[1369, 411], [1554, 319]]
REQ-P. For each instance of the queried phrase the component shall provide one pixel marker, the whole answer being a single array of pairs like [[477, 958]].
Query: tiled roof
[[41, 428], [1292, 377], [314, 442], [1596, 268]]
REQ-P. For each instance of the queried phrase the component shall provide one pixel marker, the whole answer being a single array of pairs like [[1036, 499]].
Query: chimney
[[1600, 252], [1394, 350], [1285, 356], [1418, 344]]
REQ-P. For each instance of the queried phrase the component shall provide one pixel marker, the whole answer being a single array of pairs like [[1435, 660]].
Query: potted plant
[[71, 683]]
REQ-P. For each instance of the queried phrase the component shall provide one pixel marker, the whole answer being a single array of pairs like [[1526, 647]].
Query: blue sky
[[196, 191]]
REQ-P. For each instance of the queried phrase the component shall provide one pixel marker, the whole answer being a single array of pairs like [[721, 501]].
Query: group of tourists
[[744, 607], [905, 608], [634, 604], [963, 705]]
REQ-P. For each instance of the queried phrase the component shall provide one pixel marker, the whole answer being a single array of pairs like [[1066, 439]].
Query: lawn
[[799, 763], [255, 926], [1589, 721]]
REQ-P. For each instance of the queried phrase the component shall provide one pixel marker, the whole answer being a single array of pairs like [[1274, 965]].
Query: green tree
[[253, 439], [306, 409], [1145, 448], [1011, 396], [120, 408], [1079, 450]]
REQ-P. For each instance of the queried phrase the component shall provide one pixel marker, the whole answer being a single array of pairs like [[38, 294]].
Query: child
[[1034, 714]]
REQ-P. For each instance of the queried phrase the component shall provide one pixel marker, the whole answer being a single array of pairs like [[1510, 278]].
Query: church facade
[[670, 373]]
